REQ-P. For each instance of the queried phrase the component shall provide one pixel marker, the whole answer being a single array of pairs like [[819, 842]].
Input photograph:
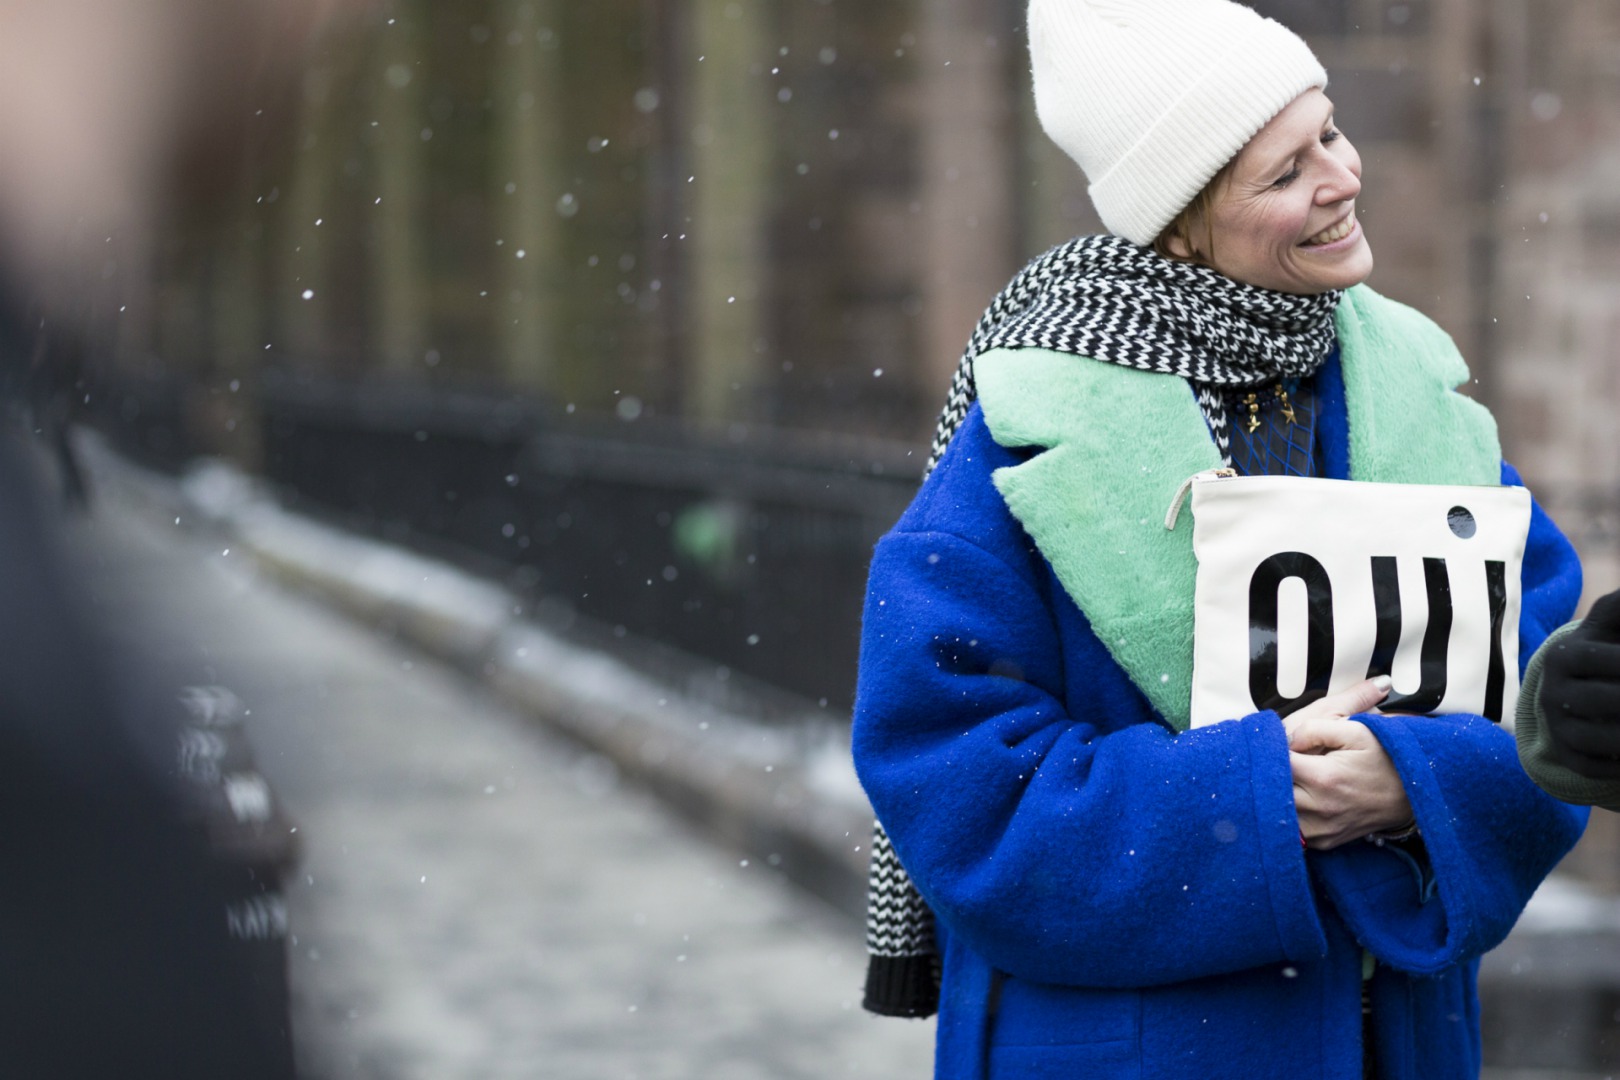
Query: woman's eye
[[1288, 178], [1331, 136]]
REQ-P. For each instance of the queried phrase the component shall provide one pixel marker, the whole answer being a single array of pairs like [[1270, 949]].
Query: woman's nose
[[1341, 183]]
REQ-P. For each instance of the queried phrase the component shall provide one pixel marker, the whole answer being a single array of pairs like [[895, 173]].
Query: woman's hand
[[1344, 784]]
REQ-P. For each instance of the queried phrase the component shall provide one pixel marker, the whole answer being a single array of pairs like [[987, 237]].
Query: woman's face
[[1285, 218]]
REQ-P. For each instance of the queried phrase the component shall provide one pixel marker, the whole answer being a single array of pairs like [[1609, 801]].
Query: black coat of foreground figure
[[115, 959]]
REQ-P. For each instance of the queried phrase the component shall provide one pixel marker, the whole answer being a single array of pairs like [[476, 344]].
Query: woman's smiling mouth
[[1333, 233]]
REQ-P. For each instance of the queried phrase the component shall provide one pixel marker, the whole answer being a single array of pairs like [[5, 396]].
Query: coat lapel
[[1118, 443]]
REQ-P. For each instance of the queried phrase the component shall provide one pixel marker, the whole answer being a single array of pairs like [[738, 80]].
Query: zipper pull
[[1174, 512]]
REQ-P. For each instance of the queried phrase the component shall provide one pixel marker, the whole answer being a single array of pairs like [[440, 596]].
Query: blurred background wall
[[647, 306]]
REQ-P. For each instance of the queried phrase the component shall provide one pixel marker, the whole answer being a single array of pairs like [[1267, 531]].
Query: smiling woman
[[1283, 215], [1079, 881]]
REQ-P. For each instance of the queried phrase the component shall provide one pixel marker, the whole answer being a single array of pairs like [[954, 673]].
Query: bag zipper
[[1174, 513]]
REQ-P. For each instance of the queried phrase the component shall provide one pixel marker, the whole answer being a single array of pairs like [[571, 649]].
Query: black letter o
[[1263, 586]]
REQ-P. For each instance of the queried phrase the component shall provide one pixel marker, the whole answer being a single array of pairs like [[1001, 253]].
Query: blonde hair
[[1195, 214]]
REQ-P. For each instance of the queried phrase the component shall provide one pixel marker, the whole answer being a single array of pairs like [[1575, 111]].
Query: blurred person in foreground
[[114, 954], [1302, 890]]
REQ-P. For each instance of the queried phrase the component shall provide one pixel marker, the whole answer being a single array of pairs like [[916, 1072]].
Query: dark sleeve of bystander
[[1568, 724], [115, 960]]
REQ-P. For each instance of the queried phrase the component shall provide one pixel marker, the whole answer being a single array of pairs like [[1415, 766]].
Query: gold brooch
[[1251, 401]]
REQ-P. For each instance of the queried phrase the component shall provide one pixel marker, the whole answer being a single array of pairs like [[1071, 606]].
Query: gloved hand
[[1580, 694]]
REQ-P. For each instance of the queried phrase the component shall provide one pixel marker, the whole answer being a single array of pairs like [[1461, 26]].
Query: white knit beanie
[[1152, 97]]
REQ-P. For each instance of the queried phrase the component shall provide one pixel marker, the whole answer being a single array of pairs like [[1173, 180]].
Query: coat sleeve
[[1490, 834], [1091, 847]]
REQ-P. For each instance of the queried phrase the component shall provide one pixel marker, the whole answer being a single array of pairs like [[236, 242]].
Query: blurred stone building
[[789, 213], [781, 218]]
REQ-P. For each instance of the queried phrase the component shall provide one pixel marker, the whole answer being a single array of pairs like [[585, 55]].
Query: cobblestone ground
[[477, 898]]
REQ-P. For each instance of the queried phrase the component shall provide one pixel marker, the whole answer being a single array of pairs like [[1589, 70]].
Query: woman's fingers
[[1344, 783], [1304, 792], [1316, 728], [1314, 825], [1346, 792], [1317, 734], [1366, 695], [1360, 698]]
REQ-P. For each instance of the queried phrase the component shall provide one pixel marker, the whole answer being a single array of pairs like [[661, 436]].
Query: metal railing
[[747, 547]]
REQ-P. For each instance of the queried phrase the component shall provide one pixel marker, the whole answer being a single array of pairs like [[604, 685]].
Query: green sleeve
[[1535, 746]]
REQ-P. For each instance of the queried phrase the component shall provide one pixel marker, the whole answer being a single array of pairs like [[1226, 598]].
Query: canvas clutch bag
[[1307, 586]]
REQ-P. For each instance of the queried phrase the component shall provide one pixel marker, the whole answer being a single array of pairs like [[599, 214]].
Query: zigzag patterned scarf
[[1107, 299]]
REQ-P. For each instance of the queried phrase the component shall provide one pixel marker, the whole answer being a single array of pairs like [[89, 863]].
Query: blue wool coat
[[1115, 900]]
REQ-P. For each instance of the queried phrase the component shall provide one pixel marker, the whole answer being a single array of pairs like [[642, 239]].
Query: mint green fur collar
[[1094, 501]]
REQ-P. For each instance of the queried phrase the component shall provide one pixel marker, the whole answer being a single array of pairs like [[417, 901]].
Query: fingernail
[[1384, 683]]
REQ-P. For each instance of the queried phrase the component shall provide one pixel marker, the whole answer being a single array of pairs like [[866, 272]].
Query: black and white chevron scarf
[[1107, 299]]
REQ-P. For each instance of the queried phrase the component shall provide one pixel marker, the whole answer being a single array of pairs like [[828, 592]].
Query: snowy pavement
[[477, 897]]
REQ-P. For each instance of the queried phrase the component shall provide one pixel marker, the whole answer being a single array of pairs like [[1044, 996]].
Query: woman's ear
[[1176, 241], [1178, 246]]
